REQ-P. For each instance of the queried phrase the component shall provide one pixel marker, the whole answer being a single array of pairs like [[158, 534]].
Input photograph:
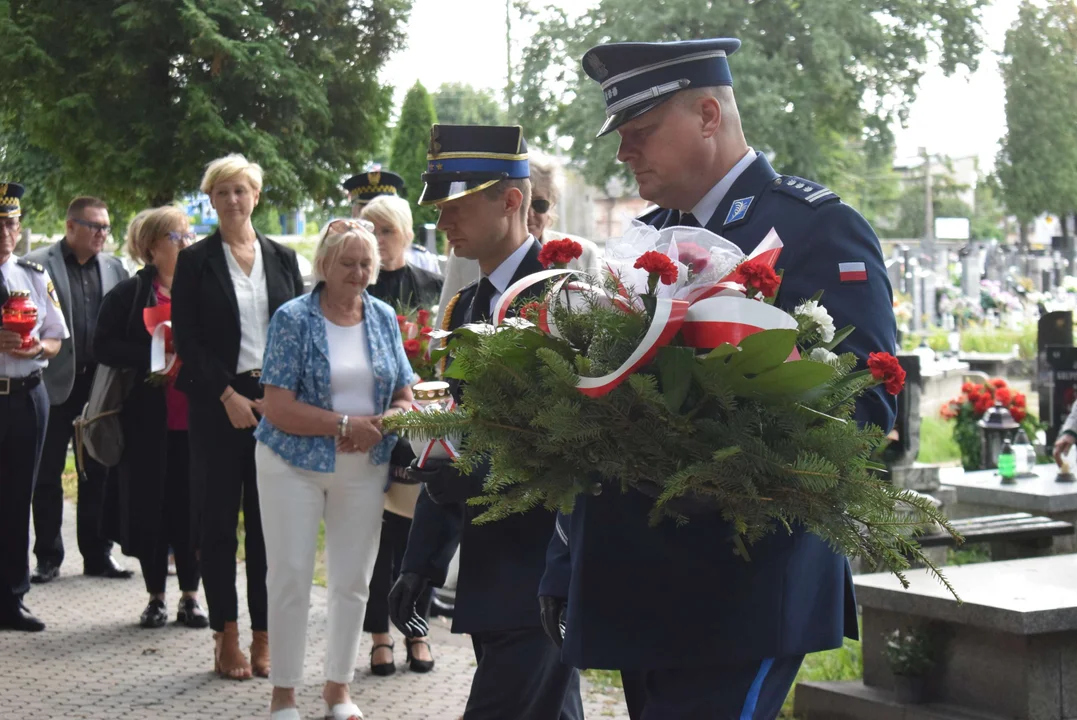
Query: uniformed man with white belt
[[24, 410]]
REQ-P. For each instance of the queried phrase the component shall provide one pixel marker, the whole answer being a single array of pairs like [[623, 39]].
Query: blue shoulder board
[[811, 193], [30, 265]]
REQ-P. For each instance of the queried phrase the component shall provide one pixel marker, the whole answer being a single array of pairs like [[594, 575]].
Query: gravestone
[[903, 450], [1058, 387], [928, 282], [970, 272]]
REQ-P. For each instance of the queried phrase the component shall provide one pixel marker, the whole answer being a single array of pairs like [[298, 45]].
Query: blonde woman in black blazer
[[225, 290]]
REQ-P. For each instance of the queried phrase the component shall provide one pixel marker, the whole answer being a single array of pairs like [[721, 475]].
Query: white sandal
[[344, 711]]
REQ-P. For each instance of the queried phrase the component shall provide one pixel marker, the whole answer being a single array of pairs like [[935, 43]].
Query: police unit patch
[[739, 209], [52, 294]]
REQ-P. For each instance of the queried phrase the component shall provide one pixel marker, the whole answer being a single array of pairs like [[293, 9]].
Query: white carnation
[[811, 312], [823, 355]]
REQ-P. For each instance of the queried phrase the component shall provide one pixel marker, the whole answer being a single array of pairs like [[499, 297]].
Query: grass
[[937, 441], [968, 556], [70, 479], [979, 339]]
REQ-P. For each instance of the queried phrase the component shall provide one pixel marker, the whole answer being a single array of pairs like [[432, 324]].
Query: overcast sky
[[464, 41]]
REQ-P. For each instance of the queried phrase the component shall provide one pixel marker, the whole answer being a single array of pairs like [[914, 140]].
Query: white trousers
[[293, 501]]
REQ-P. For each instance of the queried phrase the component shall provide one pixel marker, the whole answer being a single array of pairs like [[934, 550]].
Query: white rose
[[813, 312]]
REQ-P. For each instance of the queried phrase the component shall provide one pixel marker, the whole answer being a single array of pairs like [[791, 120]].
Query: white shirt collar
[[501, 278], [708, 204]]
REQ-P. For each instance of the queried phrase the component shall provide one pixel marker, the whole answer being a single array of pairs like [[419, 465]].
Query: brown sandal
[[228, 660], [260, 653]]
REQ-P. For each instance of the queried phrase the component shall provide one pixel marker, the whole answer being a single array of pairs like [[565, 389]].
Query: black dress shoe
[[21, 619], [45, 572], [111, 569], [155, 615], [191, 614]]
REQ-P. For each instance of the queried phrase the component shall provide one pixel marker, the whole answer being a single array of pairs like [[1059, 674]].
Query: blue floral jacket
[[297, 359]]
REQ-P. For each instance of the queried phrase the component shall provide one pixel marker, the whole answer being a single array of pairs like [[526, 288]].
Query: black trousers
[[521, 676], [49, 493], [175, 526], [24, 417], [224, 479], [754, 691], [394, 539]]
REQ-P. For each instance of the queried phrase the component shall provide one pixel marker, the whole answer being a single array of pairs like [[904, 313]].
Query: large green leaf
[[786, 381], [762, 351], [675, 365]]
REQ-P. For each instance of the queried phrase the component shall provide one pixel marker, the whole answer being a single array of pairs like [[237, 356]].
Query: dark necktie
[[676, 217], [689, 220], [3, 290], [480, 306]]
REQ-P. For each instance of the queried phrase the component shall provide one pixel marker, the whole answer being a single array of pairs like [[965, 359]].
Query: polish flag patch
[[852, 272]]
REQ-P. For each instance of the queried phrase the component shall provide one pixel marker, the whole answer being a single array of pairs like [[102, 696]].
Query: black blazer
[[205, 314]]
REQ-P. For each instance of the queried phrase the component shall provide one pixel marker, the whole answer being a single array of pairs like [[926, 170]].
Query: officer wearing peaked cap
[[713, 636], [24, 409], [478, 177], [364, 187]]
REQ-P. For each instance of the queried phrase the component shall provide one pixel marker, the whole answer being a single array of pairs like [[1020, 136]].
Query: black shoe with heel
[[383, 669], [417, 665]]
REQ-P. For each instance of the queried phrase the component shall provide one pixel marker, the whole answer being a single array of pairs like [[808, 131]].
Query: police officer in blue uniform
[[364, 187], [478, 178], [698, 632], [24, 410]]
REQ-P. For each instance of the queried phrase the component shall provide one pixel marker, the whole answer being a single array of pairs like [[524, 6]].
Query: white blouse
[[351, 374], [252, 297]]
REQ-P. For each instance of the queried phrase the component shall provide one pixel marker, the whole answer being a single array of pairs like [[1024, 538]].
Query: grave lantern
[[996, 427]]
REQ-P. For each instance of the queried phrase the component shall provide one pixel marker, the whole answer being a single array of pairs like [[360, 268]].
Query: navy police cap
[[464, 159], [10, 199], [637, 76], [369, 185]]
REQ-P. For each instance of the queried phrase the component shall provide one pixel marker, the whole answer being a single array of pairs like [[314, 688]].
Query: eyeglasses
[[342, 225], [96, 228], [540, 206], [182, 237]]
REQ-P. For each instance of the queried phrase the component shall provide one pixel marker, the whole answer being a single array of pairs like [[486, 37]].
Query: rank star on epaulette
[[31, 265]]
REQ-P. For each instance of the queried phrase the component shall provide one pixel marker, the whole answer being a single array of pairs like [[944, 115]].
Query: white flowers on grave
[[813, 318]]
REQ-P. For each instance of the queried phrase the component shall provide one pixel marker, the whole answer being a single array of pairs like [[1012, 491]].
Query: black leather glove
[[553, 617], [402, 601], [444, 483]]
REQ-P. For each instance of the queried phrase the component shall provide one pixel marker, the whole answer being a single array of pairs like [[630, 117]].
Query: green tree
[[1039, 152], [133, 97], [811, 75], [910, 215], [411, 139], [461, 104], [988, 214]]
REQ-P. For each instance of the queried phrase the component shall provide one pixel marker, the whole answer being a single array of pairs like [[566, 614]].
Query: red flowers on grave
[[412, 348], [886, 368], [659, 268], [559, 253], [969, 407], [758, 277]]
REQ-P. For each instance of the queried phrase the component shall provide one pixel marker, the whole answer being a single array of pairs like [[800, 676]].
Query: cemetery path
[[94, 661]]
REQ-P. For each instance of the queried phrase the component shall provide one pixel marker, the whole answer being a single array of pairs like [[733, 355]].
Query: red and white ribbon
[[718, 320], [438, 448]]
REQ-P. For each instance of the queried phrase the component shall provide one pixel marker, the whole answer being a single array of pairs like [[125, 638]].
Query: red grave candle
[[20, 316]]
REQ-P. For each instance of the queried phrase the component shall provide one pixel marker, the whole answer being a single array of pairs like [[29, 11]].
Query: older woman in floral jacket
[[334, 367]]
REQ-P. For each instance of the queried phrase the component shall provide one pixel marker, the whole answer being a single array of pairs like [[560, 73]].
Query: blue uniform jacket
[[502, 562], [647, 598]]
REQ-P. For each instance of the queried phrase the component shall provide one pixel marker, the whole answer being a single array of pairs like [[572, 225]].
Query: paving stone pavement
[[94, 661]]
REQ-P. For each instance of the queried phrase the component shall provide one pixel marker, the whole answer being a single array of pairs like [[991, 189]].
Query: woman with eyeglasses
[[227, 288], [540, 219], [334, 367], [153, 477]]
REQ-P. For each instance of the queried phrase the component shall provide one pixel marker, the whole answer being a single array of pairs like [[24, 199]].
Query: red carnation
[[426, 331], [998, 383], [400, 319], [1019, 400], [657, 265], [885, 367], [758, 276], [694, 256], [530, 311], [423, 316], [412, 347], [559, 252], [1003, 395], [1018, 414], [969, 387], [983, 404]]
